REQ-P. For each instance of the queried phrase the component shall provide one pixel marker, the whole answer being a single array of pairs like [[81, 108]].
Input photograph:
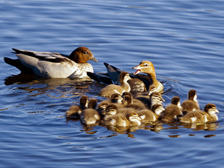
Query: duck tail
[[16, 63], [103, 79]]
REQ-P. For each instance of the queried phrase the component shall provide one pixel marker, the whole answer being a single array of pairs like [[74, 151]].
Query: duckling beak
[[217, 111], [93, 58], [138, 69], [162, 99]]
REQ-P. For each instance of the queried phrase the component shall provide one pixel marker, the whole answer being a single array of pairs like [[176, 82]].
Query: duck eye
[[85, 52], [146, 65]]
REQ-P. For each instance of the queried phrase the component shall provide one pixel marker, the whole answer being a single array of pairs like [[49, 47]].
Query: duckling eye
[[85, 52]]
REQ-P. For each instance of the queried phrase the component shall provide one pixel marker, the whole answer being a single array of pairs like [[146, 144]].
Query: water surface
[[184, 40]]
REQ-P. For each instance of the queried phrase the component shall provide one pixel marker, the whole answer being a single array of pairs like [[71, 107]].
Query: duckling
[[90, 116], [156, 98], [113, 118], [171, 112], [54, 65], [74, 111], [134, 118], [147, 116], [158, 109], [129, 102], [192, 103], [112, 88], [198, 116]]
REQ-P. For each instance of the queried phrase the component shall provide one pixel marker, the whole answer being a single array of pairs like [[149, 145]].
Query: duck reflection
[[201, 126], [54, 87]]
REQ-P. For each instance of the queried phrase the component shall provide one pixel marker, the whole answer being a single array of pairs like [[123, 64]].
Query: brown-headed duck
[[52, 64]]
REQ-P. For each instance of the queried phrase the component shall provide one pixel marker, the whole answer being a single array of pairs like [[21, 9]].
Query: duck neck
[[155, 82], [125, 85]]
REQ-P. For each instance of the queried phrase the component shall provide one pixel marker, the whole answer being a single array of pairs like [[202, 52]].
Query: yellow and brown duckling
[[112, 88], [158, 109], [134, 119], [129, 102], [90, 116], [198, 116], [147, 116], [172, 111], [192, 103], [74, 111], [113, 118]]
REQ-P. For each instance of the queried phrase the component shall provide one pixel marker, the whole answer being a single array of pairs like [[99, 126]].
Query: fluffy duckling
[[134, 118], [158, 109], [113, 118], [156, 98], [147, 116], [208, 115], [171, 111], [54, 65], [192, 103], [129, 102], [148, 68], [75, 110], [90, 116], [112, 88]]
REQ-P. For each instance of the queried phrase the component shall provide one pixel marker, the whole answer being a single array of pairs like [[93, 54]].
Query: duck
[[134, 119], [172, 111], [113, 88], [198, 116], [138, 82], [74, 111], [192, 103], [158, 109], [90, 116], [113, 118], [147, 116], [148, 68], [130, 102], [52, 64]]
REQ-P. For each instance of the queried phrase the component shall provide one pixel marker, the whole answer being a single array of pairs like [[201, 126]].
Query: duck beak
[[217, 111], [138, 69], [93, 58]]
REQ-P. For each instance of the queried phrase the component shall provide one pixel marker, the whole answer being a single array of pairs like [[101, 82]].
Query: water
[[184, 40]]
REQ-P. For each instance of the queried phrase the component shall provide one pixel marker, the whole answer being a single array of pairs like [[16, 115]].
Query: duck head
[[82, 55], [144, 67]]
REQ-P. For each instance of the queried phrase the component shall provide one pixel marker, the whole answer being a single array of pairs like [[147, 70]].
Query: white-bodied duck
[[52, 64]]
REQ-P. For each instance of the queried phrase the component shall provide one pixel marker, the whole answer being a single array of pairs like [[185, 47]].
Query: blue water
[[184, 40]]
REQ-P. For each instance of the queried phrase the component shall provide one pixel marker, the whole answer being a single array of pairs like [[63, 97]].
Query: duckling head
[[84, 101], [92, 103], [116, 98], [158, 109], [192, 95], [144, 67], [211, 108], [111, 110], [134, 118], [124, 77]]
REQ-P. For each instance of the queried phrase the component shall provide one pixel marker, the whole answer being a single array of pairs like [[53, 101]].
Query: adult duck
[[54, 65], [138, 82]]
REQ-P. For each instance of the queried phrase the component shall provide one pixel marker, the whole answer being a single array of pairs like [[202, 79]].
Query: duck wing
[[113, 72], [101, 78], [47, 56]]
